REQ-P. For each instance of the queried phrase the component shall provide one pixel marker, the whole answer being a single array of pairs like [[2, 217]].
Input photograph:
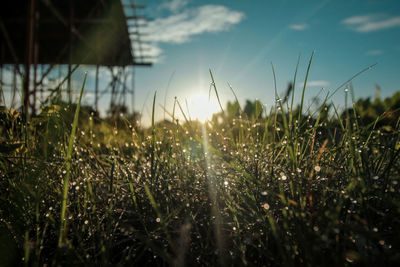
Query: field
[[288, 186]]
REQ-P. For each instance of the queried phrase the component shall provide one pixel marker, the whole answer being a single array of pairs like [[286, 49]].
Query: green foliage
[[388, 110]]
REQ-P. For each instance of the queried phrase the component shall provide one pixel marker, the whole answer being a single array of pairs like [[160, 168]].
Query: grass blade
[[304, 87], [294, 89], [153, 137], [63, 224], [216, 92]]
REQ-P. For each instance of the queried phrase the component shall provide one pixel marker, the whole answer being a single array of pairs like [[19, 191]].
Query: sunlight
[[201, 107]]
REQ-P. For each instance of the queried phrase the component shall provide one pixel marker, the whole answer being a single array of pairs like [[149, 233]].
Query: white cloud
[[374, 52], [181, 27], [174, 5], [316, 83], [150, 51], [358, 19], [369, 23], [298, 27]]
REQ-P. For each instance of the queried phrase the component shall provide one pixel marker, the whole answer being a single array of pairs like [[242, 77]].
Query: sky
[[238, 40]]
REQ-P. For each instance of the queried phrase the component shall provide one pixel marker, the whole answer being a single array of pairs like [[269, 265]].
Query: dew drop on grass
[[265, 206]]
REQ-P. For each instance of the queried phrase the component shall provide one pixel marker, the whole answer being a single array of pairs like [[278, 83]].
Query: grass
[[68, 159], [247, 188]]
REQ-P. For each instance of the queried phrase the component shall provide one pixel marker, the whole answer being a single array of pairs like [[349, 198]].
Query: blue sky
[[238, 40]]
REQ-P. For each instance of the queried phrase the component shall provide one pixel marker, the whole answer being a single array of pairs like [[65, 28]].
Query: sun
[[202, 108]]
